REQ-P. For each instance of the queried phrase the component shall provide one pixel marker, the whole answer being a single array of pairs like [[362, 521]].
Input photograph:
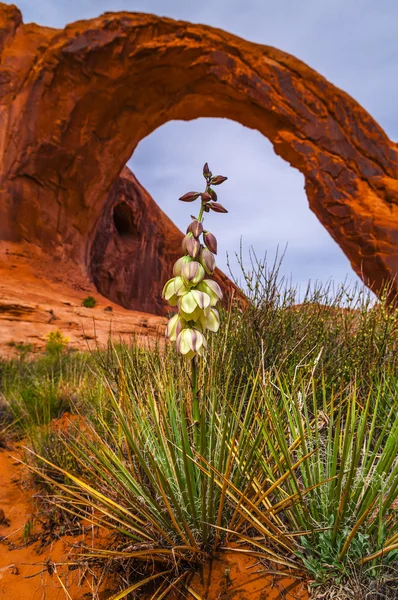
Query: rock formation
[[74, 104], [134, 248]]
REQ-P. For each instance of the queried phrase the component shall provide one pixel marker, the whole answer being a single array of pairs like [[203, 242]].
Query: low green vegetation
[[56, 342], [297, 461], [89, 302]]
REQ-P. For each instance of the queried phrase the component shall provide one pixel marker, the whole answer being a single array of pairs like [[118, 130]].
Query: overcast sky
[[353, 43]]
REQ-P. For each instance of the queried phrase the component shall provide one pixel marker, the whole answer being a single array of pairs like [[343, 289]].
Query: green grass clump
[[89, 302], [56, 342], [41, 389]]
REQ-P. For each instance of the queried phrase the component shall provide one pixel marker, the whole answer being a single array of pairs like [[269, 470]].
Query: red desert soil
[[37, 299], [235, 576], [25, 569]]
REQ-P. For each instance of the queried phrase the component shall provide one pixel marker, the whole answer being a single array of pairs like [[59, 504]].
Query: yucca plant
[[169, 472], [273, 471], [141, 476], [343, 465]]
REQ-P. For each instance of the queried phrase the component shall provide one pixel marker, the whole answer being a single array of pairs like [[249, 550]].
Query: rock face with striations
[[74, 104]]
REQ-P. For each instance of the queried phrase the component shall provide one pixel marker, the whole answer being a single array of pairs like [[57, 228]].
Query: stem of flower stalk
[[200, 217], [194, 379], [195, 374], [195, 401]]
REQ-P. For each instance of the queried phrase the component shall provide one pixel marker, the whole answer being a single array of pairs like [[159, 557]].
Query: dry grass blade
[[138, 585]]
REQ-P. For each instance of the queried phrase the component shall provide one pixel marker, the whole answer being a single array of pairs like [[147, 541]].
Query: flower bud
[[194, 299], [210, 241], [211, 289], [179, 286], [196, 228], [201, 298], [169, 292], [168, 289], [193, 305], [206, 171], [193, 272], [217, 207], [182, 324], [213, 195], [218, 180], [180, 263], [205, 197], [189, 196], [191, 245], [207, 260]]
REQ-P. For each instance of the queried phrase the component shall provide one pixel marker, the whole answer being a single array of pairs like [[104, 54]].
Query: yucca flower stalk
[[195, 295]]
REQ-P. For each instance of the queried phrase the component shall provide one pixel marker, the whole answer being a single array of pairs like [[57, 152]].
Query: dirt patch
[[27, 570], [236, 576]]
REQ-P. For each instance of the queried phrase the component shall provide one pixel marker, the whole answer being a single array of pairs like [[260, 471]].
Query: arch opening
[[123, 220], [266, 198]]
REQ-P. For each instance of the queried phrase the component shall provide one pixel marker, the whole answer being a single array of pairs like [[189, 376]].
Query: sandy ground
[[234, 576], [27, 570]]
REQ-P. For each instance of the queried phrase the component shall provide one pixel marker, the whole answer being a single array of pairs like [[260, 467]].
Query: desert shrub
[[39, 390], [89, 302], [56, 342], [342, 334]]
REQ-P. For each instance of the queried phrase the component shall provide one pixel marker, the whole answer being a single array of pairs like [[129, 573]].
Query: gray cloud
[[352, 44]]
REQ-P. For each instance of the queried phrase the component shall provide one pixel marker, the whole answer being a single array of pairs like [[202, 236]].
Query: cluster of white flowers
[[189, 290]]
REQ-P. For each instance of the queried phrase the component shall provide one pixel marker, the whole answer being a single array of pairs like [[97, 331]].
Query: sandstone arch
[[76, 102]]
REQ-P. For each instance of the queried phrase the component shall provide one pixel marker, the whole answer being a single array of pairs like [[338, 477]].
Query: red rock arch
[[76, 103]]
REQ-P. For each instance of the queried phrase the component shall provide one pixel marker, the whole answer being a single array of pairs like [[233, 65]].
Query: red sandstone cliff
[[75, 103]]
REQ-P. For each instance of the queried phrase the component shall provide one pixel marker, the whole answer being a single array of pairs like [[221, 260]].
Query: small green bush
[[56, 342], [89, 302], [22, 348]]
